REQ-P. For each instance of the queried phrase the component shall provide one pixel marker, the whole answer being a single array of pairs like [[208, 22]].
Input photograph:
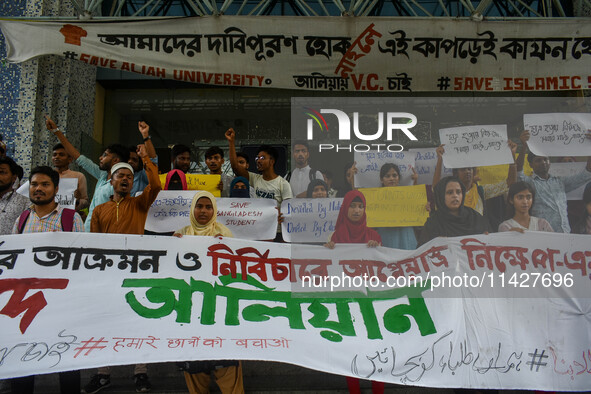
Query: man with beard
[[102, 172], [12, 204], [46, 215], [61, 163], [124, 214], [303, 174], [140, 179], [550, 202]]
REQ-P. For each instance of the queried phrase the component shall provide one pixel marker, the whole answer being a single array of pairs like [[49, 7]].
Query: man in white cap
[[124, 214]]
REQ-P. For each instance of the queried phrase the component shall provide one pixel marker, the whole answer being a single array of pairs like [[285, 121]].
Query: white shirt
[[277, 188], [300, 179]]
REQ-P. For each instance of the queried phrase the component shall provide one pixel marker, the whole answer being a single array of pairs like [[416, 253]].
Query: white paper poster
[[558, 134], [309, 219], [474, 146], [425, 162], [247, 218]]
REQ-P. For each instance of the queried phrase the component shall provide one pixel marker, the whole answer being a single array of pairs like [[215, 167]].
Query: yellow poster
[[399, 206], [490, 175], [200, 182]]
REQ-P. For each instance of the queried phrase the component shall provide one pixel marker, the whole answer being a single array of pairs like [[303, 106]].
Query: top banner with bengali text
[[324, 53]]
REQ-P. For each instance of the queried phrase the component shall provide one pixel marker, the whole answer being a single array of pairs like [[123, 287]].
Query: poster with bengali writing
[[473, 146], [559, 134]]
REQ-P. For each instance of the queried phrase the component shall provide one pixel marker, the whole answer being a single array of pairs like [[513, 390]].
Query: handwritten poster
[[473, 146], [309, 219], [400, 206], [206, 182], [425, 162], [65, 194], [569, 169], [248, 218], [157, 299], [369, 165], [558, 134]]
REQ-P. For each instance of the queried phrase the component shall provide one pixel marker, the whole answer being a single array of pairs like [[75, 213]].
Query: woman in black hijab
[[451, 218]]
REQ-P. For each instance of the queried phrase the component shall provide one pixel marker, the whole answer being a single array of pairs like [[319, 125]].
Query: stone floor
[[259, 378]]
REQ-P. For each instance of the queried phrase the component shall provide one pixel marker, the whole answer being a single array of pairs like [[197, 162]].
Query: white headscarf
[[211, 228]]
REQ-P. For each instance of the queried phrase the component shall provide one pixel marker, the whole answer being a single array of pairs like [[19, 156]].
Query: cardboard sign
[[400, 206], [206, 182]]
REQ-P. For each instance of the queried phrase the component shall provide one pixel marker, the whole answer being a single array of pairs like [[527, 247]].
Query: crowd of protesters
[[459, 207]]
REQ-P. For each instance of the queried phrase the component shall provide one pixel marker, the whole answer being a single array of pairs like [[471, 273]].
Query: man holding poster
[[551, 191]]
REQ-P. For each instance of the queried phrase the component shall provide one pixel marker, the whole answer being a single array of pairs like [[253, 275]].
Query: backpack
[[311, 174], [67, 220]]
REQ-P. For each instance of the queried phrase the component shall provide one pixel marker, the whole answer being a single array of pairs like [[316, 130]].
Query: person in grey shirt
[[551, 191], [12, 204]]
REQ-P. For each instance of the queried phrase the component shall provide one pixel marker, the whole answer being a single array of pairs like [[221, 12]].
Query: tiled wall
[[63, 89]]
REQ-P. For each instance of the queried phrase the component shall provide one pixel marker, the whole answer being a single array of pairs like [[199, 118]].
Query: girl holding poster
[[396, 237]]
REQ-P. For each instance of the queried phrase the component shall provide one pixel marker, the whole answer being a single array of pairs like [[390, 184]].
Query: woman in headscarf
[[317, 188], [240, 188], [351, 226], [175, 180], [451, 218], [396, 237], [204, 211], [227, 373]]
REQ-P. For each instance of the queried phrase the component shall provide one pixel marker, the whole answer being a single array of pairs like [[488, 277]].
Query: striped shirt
[[50, 222]]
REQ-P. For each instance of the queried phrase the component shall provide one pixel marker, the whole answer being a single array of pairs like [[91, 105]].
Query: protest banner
[[309, 219], [331, 54], [206, 182], [247, 218], [156, 299], [473, 146], [558, 134], [566, 170], [65, 194], [369, 165], [425, 162], [399, 206]]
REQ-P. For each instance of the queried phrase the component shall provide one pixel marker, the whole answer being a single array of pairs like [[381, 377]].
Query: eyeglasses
[[259, 158]]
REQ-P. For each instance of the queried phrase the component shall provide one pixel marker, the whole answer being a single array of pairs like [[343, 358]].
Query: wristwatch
[[147, 138]]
